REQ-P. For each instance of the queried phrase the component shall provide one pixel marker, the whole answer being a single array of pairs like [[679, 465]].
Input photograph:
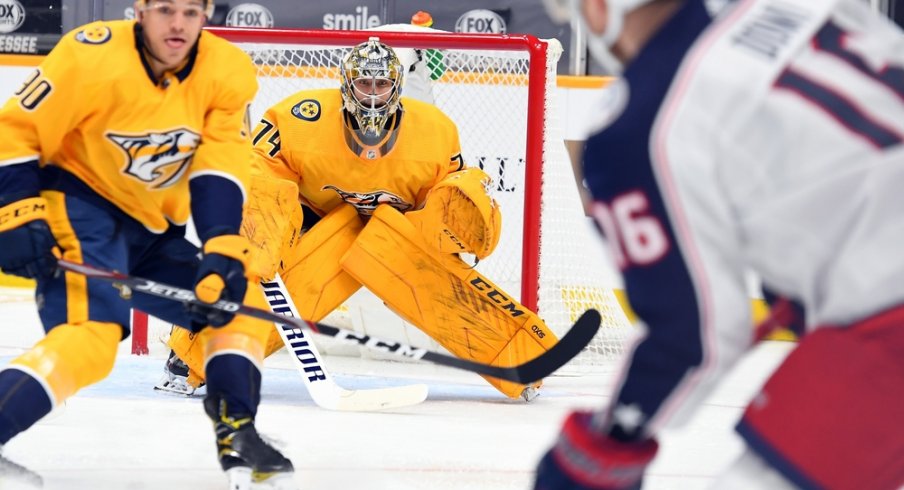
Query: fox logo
[[367, 202], [159, 158]]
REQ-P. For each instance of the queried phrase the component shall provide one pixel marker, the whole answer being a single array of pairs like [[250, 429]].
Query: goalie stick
[[529, 372], [320, 384]]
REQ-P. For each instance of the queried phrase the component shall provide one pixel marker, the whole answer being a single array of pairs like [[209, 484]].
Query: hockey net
[[500, 91]]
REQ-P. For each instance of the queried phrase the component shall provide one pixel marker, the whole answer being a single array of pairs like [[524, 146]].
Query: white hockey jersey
[[769, 139]]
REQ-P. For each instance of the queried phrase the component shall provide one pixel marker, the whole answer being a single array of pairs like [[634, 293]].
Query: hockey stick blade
[[534, 370], [325, 392]]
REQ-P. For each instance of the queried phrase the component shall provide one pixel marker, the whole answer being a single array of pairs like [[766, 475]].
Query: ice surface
[[121, 434]]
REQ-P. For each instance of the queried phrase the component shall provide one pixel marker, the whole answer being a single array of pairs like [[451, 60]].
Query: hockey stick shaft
[[534, 370], [781, 314], [320, 384]]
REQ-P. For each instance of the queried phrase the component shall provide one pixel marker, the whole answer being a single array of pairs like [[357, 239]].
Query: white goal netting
[[500, 91]]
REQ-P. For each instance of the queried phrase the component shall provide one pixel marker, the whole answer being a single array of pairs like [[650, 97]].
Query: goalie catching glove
[[27, 246], [459, 216], [221, 275]]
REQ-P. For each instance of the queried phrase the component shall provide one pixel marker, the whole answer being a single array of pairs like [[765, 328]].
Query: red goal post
[[538, 55], [500, 91]]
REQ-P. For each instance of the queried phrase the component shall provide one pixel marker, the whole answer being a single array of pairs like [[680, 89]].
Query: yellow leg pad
[[314, 277], [274, 343], [187, 347], [311, 270], [444, 297], [72, 357]]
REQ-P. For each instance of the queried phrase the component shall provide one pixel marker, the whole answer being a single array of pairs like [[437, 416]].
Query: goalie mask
[[371, 86]]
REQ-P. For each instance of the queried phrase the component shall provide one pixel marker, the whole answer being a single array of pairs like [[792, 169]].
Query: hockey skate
[[530, 393], [248, 460], [175, 377], [15, 476]]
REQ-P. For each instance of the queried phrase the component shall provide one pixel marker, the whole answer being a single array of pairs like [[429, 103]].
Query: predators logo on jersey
[[307, 110], [158, 158], [367, 202], [97, 34]]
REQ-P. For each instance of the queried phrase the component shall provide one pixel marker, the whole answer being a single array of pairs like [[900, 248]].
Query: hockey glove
[[585, 460], [27, 247], [221, 276]]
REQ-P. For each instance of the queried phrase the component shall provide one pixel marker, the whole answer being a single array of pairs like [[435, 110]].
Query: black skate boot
[[248, 460], [175, 377]]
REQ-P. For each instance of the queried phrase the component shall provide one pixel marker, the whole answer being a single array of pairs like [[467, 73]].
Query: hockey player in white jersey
[[769, 138]]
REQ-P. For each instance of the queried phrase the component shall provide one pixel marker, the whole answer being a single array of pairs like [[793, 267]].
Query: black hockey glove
[[221, 276], [27, 246]]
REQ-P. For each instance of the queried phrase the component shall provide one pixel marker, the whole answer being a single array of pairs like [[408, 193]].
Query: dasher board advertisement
[[30, 26]]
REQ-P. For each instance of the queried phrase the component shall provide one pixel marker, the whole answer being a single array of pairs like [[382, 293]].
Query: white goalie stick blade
[[323, 389]]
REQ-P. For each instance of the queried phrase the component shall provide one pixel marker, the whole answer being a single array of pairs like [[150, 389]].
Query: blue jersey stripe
[[662, 292], [840, 108], [830, 39]]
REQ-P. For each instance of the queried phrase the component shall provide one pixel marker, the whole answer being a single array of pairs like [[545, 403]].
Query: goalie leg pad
[[193, 348], [830, 416], [272, 223], [187, 348], [444, 297], [459, 216], [313, 275]]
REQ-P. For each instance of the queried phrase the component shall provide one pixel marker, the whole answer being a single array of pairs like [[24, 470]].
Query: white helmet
[[598, 44]]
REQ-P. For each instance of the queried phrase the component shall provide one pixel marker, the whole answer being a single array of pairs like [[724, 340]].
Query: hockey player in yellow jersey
[[389, 205], [123, 131]]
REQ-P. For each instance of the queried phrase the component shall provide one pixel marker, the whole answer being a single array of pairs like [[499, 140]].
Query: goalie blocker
[[409, 261]]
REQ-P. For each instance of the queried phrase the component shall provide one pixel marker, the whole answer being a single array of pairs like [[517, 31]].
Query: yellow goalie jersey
[[421, 208], [77, 112], [302, 139]]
